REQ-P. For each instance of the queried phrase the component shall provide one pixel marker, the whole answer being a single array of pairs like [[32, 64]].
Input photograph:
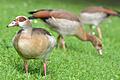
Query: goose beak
[[12, 24]]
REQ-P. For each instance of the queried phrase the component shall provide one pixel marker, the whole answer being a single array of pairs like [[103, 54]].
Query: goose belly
[[64, 26], [92, 18], [32, 47]]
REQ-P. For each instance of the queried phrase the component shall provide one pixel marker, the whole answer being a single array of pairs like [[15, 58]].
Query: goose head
[[20, 21]]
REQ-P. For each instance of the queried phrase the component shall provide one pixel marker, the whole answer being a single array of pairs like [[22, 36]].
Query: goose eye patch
[[21, 19]]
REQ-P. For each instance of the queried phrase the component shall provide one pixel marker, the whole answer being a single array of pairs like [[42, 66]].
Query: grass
[[79, 62]]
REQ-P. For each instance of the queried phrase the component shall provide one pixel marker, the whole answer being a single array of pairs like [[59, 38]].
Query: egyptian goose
[[32, 43], [94, 15], [65, 23]]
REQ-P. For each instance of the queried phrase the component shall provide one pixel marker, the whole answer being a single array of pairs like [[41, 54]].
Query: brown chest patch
[[31, 45]]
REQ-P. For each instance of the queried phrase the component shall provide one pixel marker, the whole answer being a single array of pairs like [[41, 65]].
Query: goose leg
[[45, 70], [26, 66], [63, 42], [99, 32], [58, 40]]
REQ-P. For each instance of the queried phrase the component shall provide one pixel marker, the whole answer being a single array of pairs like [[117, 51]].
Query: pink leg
[[26, 66], [45, 70]]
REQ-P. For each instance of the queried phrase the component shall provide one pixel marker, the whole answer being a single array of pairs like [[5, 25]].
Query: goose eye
[[13, 22]]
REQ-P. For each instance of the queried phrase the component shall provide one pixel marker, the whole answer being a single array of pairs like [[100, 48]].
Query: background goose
[[95, 15]]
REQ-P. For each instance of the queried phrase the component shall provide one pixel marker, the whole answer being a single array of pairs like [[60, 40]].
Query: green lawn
[[79, 62]]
